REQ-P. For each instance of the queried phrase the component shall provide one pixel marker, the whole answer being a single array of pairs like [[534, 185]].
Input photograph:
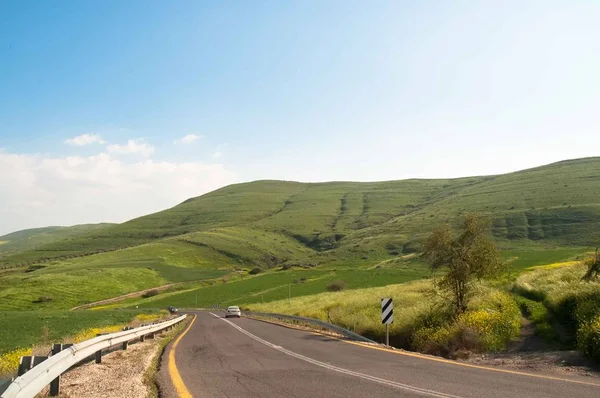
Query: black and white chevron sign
[[387, 311]]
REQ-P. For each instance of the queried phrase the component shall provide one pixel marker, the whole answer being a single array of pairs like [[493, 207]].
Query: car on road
[[173, 310], [233, 312]]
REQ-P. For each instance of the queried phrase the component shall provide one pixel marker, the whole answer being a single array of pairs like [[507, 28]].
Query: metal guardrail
[[338, 329], [34, 381]]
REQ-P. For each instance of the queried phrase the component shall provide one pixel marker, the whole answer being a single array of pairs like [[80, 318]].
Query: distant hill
[[557, 204], [29, 239]]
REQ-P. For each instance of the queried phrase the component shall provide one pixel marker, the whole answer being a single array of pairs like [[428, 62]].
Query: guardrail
[[311, 321], [34, 381]]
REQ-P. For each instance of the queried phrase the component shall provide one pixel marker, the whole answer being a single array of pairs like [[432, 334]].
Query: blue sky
[[295, 90]]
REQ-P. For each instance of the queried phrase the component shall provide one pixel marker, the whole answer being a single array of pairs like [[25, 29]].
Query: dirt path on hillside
[[123, 297], [528, 341]]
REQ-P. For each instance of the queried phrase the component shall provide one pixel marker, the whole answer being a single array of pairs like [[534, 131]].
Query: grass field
[[277, 285], [32, 238], [24, 329]]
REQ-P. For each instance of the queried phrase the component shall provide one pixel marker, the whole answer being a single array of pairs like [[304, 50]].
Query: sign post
[[387, 317]]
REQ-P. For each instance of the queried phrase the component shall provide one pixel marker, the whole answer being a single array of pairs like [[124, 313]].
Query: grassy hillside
[[29, 239], [556, 205], [326, 229]]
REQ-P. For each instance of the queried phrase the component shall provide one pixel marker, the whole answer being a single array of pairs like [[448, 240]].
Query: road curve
[[248, 358]]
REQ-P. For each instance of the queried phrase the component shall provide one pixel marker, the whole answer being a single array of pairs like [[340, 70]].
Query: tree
[[467, 257], [593, 265]]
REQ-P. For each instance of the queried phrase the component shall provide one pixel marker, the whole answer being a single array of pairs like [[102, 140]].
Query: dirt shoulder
[[562, 363]]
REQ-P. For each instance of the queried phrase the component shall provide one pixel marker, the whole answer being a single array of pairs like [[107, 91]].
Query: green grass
[[277, 285], [572, 304], [554, 205], [494, 316], [29, 239], [19, 291], [521, 259], [24, 329], [540, 215]]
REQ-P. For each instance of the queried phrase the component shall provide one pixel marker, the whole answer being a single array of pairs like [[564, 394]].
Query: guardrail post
[[142, 338], [125, 343], [25, 365], [152, 335], [55, 384], [98, 356]]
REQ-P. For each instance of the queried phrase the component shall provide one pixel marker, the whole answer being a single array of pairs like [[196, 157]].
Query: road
[[217, 357]]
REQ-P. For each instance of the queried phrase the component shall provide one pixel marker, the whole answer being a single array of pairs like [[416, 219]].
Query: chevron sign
[[387, 311]]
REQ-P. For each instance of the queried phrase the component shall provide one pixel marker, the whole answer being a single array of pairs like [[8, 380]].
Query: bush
[[496, 322], [255, 271], [151, 293], [9, 361], [286, 267], [43, 299], [528, 292], [588, 338], [336, 286]]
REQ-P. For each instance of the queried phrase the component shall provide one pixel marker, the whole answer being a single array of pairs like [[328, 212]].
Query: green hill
[[554, 204], [324, 231], [29, 239]]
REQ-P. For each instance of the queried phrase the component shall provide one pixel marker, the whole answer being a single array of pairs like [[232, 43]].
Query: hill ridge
[[553, 203]]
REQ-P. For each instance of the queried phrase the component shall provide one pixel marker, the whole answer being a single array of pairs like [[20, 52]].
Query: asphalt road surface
[[219, 357]]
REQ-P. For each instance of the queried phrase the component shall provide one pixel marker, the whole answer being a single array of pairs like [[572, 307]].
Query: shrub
[[43, 299], [588, 338], [528, 292], [286, 267], [336, 286], [9, 361], [255, 271], [497, 321], [90, 333], [151, 293]]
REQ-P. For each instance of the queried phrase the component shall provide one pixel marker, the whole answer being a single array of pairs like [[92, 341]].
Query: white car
[[233, 311]]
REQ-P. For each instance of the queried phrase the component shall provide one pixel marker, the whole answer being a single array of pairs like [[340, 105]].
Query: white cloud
[[217, 155], [188, 139], [138, 146], [41, 191], [85, 139]]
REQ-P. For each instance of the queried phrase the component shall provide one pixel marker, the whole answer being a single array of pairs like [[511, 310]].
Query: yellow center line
[[180, 387]]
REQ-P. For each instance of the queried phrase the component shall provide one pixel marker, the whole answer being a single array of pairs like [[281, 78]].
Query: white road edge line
[[340, 370]]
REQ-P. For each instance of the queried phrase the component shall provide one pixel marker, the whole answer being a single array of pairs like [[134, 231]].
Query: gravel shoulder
[[120, 375]]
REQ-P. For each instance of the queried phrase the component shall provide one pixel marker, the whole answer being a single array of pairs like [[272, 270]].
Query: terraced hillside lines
[[249, 247], [343, 209], [558, 204]]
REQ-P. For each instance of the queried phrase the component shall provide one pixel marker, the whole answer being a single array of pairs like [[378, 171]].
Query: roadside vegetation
[[21, 332], [422, 319], [565, 305]]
